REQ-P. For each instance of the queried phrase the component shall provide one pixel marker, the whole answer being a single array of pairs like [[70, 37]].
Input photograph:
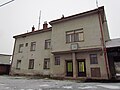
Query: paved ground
[[22, 83]]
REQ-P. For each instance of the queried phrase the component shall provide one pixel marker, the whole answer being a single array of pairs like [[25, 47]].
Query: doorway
[[69, 68], [81, 68]]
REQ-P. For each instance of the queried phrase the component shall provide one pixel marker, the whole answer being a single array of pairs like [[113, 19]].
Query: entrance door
[[81, 68], [69, 68]]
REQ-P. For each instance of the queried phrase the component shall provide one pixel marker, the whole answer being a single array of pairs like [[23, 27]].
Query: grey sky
[[19, 16]]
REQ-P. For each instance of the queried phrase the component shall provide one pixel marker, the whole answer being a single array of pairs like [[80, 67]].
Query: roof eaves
[[76, 15], [33, 33], [5, 55]]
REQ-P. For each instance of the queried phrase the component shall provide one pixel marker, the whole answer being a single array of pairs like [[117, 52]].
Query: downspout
[[12, 56], [103, 43]]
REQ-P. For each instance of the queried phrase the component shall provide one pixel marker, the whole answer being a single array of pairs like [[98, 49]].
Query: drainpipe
[[103, 43]]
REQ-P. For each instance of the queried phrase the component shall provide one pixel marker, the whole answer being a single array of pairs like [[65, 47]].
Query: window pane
[[70, 67], [76, 37], [33, 46], [70, 36], [47, 44], [26, 44], [18, 65], [20, 48], [31, 63], [93, 59], [81, 38], [81, 67], [46, 63], [57, 60]]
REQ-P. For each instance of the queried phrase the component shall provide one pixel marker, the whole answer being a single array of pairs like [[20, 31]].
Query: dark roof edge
[[5, 55], [76, 15], [33, 33]]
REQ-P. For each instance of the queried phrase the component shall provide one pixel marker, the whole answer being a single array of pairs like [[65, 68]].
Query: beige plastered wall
[[38, 55]]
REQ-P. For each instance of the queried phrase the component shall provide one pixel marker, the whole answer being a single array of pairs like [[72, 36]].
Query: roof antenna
[[39, 20], [97, 3]]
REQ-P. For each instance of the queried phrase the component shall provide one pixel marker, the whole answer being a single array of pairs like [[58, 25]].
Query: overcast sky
[[19, 16]]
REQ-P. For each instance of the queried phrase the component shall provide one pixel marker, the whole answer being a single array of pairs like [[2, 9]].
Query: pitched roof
[[33, 33], [77, 15], [113, 43]]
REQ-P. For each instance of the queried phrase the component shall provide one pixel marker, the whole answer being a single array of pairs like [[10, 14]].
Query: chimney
[[33, 28], [45, 25]]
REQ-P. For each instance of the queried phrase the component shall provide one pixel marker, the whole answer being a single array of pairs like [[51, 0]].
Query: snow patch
[[29, 89], [39, 89], [44, 85], [67, 87], [110, 86], [87, 87], [7, 87]]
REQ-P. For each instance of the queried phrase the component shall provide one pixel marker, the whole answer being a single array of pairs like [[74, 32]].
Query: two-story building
[[74, 47]]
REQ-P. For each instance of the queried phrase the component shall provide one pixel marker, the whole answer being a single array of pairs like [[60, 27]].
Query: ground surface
[[23, 83]]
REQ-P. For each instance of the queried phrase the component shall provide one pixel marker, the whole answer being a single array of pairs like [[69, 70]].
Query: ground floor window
[[47, 63], [31, 64], [18, 65], [95, 72], [93, 59], [57, 60]]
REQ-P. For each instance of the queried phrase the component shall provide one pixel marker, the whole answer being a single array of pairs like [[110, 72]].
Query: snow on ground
[[22, 83], [110, 86]]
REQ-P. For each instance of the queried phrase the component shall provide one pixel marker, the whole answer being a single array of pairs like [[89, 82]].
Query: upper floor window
[[57, 60], [31, 64], [74, 36], [47, 43], [33, 46], [93, 59], [20, 48], [26, 44]]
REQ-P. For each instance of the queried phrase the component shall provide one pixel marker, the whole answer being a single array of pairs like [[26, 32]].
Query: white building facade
[[74, 47]]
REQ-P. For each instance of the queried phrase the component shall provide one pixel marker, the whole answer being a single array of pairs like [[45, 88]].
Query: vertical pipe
[[103, 44]]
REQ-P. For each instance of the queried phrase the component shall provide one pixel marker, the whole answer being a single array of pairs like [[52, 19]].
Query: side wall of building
[[38, 55]]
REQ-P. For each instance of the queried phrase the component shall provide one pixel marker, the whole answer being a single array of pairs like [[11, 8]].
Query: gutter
[[103, 44]]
